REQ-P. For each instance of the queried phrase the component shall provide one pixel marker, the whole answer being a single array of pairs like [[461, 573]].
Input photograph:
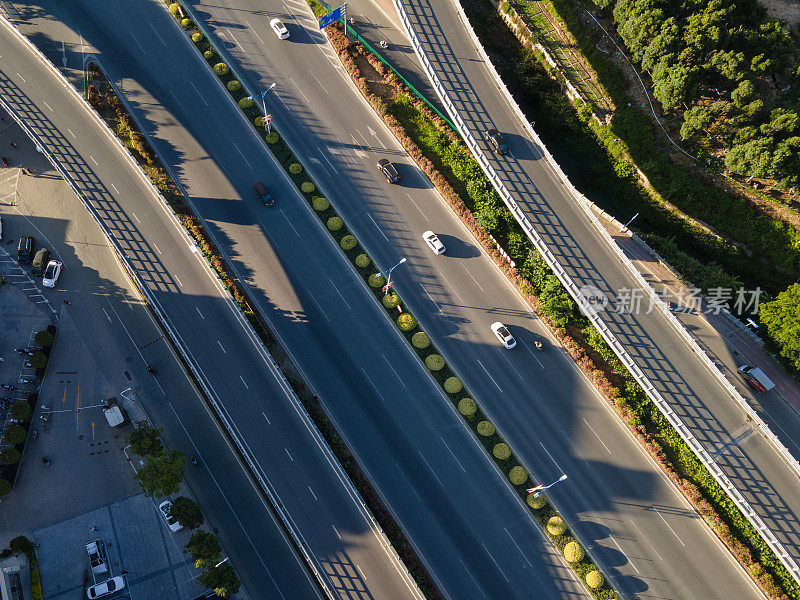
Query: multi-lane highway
[[617, 500], [475, 535], [759, 472], [232, 364]]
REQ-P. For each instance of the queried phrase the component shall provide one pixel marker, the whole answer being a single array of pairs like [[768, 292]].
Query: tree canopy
[[702, 53]]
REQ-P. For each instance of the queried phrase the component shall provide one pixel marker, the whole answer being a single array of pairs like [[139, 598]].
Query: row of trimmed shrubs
[[420, 341]]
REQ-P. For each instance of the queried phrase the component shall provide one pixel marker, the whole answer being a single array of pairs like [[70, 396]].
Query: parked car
[[264, 193], [25, 248], [388, 170], [279, 28], [104, 588], [97, 558], [433, 241], [496, 141], [165, 508], [504, 335], [51, 273], [40, 261]]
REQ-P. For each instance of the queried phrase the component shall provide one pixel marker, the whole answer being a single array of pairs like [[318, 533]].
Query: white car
[[279, 28], [104, 588], [504, 335], [165, 508], [51, 273], [96, 558], [434, 243]]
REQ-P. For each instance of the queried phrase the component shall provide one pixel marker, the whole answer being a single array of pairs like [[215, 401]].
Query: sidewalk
[[726, 340]]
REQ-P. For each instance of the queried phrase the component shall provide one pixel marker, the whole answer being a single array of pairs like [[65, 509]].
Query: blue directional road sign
[[331, 17]]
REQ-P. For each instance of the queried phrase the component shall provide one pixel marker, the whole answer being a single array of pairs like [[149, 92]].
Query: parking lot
[[139, 547]]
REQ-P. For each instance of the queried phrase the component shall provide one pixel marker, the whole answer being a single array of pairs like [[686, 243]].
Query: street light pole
[[625, 227], [224, 560], [264, 103], [388, 274], [540, 488]]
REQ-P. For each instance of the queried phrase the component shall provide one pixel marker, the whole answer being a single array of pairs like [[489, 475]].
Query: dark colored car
[[40, 261], [264, 193], [388, 170], [496, 141], [25, 248]]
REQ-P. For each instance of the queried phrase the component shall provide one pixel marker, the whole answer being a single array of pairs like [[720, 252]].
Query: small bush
[[245, 103], [556, 526], [272, 137], [307, 187], [175, 8], [221, 69], [376, 281], [198, 38], [594, 579], [421, 340], [362, 260], [10, 456], [233, 86], [187, 23], [348, 242], [467, 407], [434, 362], [39, 360], [295, 168], [573, 552], [453, 385], [485, 428], [517, 475], [391, 300], [501, 451], [43, 338], [20, 410], [537, 502], [334, 224], [5, 487], [15, 434], [321, 204], [208, 55], [406, 322]]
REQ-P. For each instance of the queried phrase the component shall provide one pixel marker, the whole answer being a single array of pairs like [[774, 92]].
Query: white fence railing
[[285, 516], [684, 431]]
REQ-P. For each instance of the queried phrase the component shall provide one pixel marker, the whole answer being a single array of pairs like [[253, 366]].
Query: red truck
[[757, 378]]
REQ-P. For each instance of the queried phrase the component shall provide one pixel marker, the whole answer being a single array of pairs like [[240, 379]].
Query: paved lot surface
[[139, 545]]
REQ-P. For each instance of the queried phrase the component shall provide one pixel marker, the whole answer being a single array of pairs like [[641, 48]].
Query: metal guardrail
[[277, 505], [685, 433]]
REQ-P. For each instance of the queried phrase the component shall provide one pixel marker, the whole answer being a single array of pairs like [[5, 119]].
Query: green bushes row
[[533, 275]]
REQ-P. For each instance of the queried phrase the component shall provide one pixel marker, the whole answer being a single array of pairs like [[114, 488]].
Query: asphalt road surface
[[637, 524], [336, 531], [477, 537], [753, 465]]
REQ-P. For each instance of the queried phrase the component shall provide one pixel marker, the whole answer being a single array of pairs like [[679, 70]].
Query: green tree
[[666, 42], [20, 410], [555, 301], [204, 548], [14, 434], [674, 83], [751, 158], [145, 439], [695, 120], [221, 579], [781, 317], [188, 512], [162, 473], [728, 64]]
